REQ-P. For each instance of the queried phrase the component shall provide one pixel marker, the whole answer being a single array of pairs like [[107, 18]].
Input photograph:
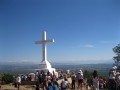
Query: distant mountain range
[[60, 63], [24, 68]]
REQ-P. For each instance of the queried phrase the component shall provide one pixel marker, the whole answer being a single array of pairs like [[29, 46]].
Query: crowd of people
[[114, 79], [48, 81]]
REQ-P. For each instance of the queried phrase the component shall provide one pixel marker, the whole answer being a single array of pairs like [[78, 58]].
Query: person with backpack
[[80, 79], [64, 84]]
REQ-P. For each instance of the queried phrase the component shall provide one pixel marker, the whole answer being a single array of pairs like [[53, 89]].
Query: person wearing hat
[[80, 79], [115, 67], [112, 75]]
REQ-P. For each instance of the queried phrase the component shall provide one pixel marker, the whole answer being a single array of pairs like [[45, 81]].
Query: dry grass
[[31, 87], [23, 87]]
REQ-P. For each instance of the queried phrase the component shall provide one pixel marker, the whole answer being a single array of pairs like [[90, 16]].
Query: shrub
[[7, 78]]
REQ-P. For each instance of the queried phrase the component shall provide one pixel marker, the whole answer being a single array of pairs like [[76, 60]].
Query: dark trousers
[[118, 88], [73, 84], [112, 84], [63, 88], [18, 85]]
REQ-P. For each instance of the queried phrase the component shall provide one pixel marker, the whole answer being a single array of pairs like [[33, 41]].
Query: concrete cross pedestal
[[44, 64]]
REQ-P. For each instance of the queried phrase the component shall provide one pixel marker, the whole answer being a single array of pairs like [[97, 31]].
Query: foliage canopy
[[7, 78], [116, 58]]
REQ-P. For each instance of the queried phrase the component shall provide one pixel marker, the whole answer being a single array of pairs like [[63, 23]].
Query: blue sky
[[85, 31]]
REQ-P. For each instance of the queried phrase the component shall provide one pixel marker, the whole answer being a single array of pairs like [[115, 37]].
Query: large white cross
[[44, 48]]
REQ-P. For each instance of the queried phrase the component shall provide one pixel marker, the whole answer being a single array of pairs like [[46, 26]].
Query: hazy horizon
[[53, 62]]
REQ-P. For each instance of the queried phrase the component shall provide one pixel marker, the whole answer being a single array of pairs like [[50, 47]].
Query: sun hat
[[115, 67], [80, 70]]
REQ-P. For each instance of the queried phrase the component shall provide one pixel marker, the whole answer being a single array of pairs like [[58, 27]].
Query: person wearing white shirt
[[18, 81]]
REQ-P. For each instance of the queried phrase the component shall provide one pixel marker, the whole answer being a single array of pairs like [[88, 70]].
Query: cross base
[[46, 66]]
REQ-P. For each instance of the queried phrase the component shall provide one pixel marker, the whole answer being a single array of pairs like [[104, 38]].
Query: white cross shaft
[[44, 48]]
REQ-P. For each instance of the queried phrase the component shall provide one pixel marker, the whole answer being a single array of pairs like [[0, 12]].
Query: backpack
[[64, 84]]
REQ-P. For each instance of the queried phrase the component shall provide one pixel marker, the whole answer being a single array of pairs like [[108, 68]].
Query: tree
[[7, 78], [87, 74], [116, 58]]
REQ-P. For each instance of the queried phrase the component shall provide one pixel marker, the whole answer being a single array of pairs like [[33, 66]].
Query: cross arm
[[44, 41]]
